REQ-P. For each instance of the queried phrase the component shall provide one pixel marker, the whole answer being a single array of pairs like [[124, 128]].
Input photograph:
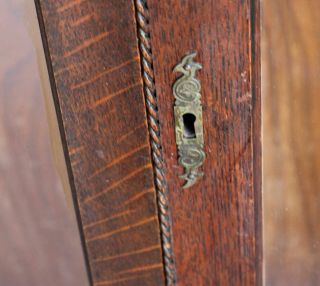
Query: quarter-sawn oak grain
[[216, 224], [94, 64]]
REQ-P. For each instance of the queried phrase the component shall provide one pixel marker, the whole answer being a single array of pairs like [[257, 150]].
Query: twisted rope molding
[[143, 29]]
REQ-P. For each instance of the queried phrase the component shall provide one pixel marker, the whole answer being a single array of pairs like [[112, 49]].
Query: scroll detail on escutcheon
[[188, 120]]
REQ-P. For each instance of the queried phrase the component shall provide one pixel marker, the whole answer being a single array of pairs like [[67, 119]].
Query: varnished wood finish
[[94, 63], [39, 240], [255, 18], [291, 84], [93, 59], [216, 223]]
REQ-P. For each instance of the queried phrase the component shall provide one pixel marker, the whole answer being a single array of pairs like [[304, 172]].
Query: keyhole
[[188, 125]]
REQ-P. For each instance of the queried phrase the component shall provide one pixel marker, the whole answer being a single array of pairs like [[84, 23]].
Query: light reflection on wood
[[291, 138], [39, 241]]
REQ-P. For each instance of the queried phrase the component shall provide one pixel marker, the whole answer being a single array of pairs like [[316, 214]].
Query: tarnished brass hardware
[[188, 119]]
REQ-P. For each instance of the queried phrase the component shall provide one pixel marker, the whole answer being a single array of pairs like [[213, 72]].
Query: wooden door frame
[[89, 46]]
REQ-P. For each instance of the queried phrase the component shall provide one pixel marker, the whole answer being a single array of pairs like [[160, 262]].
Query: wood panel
[[39, 241], [217, 223], [94, 63], [291, 84]]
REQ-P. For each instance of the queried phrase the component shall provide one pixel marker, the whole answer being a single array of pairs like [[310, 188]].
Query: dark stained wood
[[216, 223], [257, 134], [94, 63], [39, 240], [291, 84]]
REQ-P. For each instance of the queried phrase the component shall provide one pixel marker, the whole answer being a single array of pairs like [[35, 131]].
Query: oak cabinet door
[[153, 210]]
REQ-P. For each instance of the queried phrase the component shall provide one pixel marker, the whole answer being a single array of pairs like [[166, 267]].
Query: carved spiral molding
[[142, 14]]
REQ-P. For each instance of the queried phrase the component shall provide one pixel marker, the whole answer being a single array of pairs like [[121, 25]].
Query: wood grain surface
[[216, 223], [291, 136], [94, 63], [39, 240]]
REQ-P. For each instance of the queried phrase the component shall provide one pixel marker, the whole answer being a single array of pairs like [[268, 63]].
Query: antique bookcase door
[[158, 104]]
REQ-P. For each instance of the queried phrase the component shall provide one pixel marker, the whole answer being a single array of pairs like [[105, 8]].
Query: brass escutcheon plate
[[188, 120]]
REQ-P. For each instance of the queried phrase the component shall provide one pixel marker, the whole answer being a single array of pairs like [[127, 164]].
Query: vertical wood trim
[[257, 132], [94, 65], [144, 35], [63, 137], [217, 222]]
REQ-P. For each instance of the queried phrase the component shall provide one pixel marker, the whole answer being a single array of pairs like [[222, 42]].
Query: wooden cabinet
[[111, 68]]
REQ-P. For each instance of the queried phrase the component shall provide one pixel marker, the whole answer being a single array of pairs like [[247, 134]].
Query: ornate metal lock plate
[[188, 119]]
